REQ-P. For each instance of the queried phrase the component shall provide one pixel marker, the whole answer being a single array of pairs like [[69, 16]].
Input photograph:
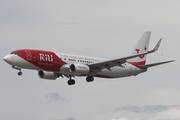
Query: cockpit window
[[15, 53]]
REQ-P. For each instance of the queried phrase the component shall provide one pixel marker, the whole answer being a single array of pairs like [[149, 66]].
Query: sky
[[100, 28]]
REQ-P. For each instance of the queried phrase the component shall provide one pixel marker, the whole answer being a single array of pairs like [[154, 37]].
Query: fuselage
[[57, 62]]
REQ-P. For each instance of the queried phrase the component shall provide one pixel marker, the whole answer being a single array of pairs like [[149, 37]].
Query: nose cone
[[8, 59]]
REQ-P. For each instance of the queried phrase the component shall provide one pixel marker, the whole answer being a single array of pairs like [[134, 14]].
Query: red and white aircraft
[[51, 65]]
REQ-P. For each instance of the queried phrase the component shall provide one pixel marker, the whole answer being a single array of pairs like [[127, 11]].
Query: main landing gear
[[18, 68], [71, 81], [90, 79]]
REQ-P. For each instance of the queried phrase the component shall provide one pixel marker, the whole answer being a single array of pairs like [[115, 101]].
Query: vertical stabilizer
[[141, 47]]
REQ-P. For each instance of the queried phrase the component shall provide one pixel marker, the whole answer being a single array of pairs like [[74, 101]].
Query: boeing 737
[[51, 65]]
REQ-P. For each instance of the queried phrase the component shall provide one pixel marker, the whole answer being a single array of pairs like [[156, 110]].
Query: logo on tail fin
[[142, 56]]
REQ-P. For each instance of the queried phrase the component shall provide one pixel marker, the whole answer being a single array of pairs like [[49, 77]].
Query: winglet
[[157, 45]]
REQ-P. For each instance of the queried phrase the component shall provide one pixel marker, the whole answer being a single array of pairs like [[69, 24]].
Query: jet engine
[[79, 69], [48, 75]]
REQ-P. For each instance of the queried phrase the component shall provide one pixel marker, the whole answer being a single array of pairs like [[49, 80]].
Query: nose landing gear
[[17, 68], [19, 73]]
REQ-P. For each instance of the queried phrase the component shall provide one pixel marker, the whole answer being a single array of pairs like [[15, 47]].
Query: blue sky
[[101, 28]]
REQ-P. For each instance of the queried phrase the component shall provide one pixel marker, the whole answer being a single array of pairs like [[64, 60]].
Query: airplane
[[51, 65]]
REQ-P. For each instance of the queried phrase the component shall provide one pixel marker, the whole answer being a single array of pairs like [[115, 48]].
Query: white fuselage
[[36, 60]]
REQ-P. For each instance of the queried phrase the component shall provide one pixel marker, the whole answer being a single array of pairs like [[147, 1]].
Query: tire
[[19, 73], [91, 78], [88, 79], [71, 82]]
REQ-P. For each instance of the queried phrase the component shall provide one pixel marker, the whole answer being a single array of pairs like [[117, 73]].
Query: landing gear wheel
[[19, 73], [90, 79], [71, 82]]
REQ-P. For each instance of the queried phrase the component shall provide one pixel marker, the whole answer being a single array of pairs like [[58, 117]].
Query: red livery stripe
[[137, 63]]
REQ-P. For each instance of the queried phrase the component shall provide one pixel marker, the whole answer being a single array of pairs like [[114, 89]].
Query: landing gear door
[[28, 55]]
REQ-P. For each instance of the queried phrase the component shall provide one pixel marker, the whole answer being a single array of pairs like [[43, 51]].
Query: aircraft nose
[[8, 58]]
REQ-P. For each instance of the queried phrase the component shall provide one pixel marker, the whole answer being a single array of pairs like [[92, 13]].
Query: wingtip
[[157, 45], [171, 61]]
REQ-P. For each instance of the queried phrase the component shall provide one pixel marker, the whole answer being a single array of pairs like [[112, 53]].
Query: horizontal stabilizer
[[154, 64]]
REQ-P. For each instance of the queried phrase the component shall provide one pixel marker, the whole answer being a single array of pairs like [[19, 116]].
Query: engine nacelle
[[48, 75], [79, 69]]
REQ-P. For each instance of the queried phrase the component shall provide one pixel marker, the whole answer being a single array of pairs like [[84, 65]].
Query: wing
[[97, 67]]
